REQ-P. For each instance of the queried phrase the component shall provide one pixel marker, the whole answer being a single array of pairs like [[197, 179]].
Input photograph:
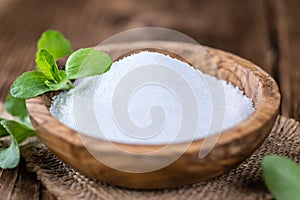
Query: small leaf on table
[[282, 176], [10, 157]]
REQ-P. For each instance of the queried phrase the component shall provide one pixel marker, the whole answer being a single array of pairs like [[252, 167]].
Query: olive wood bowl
[[233, 146]]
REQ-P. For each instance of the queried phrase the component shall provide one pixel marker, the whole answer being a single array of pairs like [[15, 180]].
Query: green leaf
[[87, 62], [26, 121], [282, 176], [29, 84], [64, 84], [55, 43], [19, 131], [10, 157], [16, 106], [47, 65], [3, 131]]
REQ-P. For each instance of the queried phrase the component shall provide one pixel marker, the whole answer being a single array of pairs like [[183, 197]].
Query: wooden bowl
[[233, 146]]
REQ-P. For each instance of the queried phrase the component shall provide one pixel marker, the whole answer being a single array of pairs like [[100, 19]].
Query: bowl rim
[[267, 109]]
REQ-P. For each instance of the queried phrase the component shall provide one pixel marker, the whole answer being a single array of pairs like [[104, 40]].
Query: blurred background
[[265, 32]]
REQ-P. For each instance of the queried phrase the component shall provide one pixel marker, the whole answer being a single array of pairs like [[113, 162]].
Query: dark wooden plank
[[279, 35], [294, 46], [235, 26], [26, 186], [23, 23], [256, 30], [19, 184], [7, 182]]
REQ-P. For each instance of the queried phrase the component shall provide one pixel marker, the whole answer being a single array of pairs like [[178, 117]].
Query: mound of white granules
[[151, 89]]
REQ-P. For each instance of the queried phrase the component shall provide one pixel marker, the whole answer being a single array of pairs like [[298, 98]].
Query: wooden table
[[266, 32]]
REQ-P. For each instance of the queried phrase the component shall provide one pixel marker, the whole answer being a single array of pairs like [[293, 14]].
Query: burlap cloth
[[244, 182]]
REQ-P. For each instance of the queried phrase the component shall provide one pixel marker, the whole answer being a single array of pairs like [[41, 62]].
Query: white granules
[[90, 107]]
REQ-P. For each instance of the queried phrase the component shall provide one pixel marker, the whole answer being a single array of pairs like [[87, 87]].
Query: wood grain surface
[[265, 32]]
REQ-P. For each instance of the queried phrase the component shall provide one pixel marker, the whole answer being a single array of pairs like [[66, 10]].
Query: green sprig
[[47, 77]]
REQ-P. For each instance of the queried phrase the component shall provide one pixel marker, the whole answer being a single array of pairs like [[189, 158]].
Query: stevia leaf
[[87, 62], [3, 131], [55, 43], [47, 65], [19, 131], [10, 157], [282, 177], [64, 84], [26, 121], [29, 84], [16, 106]]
